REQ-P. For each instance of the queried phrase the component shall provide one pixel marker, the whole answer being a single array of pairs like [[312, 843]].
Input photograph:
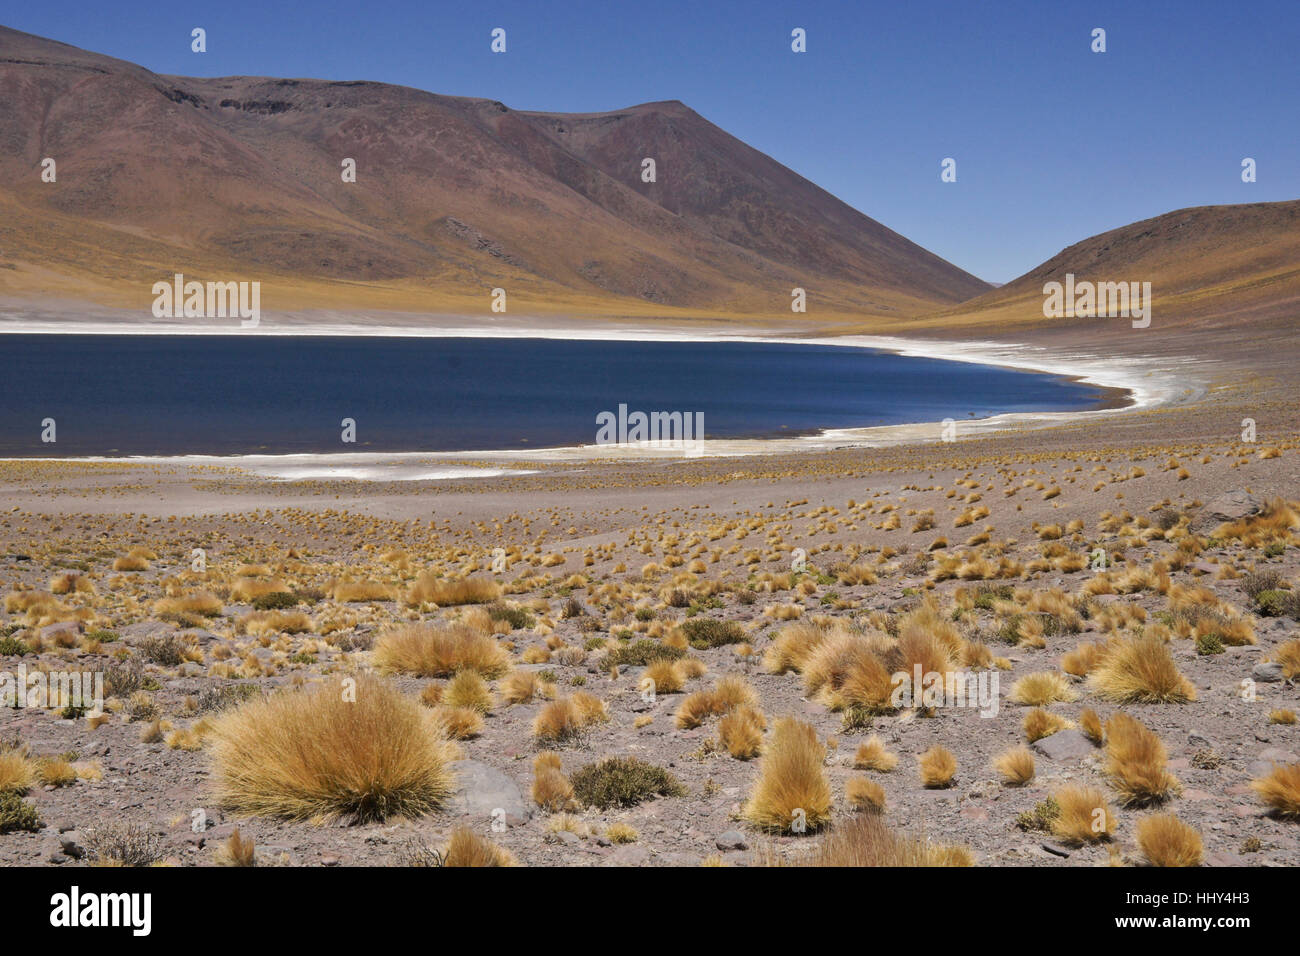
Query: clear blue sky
[[1053, 142]]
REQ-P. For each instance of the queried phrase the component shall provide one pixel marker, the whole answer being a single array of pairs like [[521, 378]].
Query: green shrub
[[275, 601], [706, 632], [17, 814], [643, 652], [13, 647], [1208, 644], [623, 782]]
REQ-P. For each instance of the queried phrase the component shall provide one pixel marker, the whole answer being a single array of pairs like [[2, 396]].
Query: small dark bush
[[513, 615], [275, 601], [1255, 583], [643, 652], [17, 814], [623, 782], [705, 632], [165, 651], [13, 647]]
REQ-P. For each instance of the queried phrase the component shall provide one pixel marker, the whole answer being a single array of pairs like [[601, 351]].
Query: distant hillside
[[240, 178], [1209, 266]]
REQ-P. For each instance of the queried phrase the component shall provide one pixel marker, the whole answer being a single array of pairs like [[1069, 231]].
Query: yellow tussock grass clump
[[1039, 723], [551, 788], [1045, 687], [520, 687], [440, 651], [1280, 790], [458, 723], [867, 840], [1016, 766], [350, 592], [726, 695], [741, 731], [865, 795], [1085, 817], [872, 755], [1288, 655], [362, 751], [16, 772], [1136, 762], [468, 689], [429, 589], [1167, 841], [565, 718], [938, 767], [1090, 725], [467, 848], [792, 794], [1140, 670]]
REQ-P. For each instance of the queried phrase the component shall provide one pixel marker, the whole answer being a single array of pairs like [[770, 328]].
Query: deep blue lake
[[241, 394]]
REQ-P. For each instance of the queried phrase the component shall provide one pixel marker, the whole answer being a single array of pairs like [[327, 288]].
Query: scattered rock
[[732, 840], [1065, 745], [1267, 672], [483, 790]]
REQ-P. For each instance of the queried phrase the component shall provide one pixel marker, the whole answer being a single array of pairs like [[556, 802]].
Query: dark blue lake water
[[241, 394]]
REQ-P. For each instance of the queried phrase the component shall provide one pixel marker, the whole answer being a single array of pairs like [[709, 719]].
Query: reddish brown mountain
[[240, 177]]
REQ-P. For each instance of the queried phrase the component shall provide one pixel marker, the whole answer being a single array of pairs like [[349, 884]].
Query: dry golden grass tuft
[[1081, 661], [872, 755], [1136, 762], [237, 851], [362, 751], [792, 793], [1167, 841], [457, 723], [1090, 725], [520, 687], [467, 848], [353, 592], [1044, 687], [468, 689], [429, 589], [566, 718], [938, 767], [725, 696], [1016, 766], [17, 773], [1288, 655], [1140, 670], [867, 840], [440, 651], [668, 676], [741, 731], [1280, 790], [1039, 723], [552, 790], [621, 833], [865, 795], [1085, 816], [202, 603]]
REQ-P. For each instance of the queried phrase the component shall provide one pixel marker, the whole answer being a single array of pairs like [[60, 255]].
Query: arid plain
[[615, 659]]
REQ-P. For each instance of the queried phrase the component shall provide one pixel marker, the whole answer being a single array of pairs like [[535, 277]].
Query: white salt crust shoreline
[[1148, 380]]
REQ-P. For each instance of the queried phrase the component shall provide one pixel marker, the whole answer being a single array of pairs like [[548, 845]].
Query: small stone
[[1267, 672], [732, 840]]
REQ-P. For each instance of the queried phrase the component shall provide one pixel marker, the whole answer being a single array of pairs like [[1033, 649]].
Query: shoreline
[[1146, 383]]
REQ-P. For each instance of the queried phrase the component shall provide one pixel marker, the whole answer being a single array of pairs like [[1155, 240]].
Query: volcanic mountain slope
[[1209, 267], [240, 178]]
